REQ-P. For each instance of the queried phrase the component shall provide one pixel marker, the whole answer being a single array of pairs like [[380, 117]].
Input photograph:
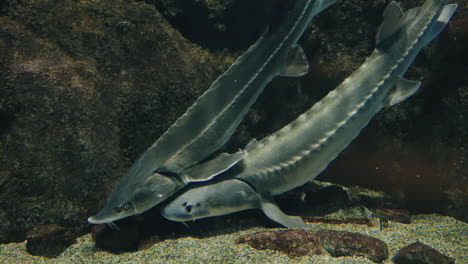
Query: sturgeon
[[168, 165], [298, 152]]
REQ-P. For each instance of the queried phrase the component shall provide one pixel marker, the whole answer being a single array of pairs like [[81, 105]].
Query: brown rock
[[48, 240], [371, 222], [297, 243], [85, 88], [418, 253], [340, 243], [125, 238], [212, 24], [397, 215]]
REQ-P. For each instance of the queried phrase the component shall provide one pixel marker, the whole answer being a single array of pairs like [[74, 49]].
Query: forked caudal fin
[[395, 20], [441, 22]]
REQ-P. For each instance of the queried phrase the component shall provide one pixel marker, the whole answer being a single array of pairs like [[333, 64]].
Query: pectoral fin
[[274, 213], [208, 170], [403, 89], [296, 63]]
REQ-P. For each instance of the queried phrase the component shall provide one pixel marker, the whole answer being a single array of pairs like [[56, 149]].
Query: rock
[[327, 195], [419, 253], [48, 240], [296, 243], [325, 202], [392, 214], [340, 243], [370, 222], [215, 24], [118, 239], [85, 88]]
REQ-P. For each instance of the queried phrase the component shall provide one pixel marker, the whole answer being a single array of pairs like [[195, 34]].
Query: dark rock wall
[[217, 24], [86, 86]]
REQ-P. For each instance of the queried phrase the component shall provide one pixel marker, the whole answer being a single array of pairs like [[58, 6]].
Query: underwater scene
[[234, 131]]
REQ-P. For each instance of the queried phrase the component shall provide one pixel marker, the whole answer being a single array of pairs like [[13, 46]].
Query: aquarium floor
[[445, 234]]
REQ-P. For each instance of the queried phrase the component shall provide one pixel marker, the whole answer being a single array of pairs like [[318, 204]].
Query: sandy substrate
[[446, 234]]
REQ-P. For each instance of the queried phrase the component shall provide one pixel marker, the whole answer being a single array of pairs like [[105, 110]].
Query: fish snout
[[109, 214], [95, 221], [179, 211]]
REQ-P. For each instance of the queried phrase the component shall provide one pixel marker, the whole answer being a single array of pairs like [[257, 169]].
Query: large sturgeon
[[166, 166], [301, 150]]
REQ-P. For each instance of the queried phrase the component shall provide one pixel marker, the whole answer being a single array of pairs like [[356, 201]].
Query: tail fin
[[395, 20], [441, 23]]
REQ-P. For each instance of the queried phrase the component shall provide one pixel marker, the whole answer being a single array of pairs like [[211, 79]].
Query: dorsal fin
[[410, 14], [391, 24]]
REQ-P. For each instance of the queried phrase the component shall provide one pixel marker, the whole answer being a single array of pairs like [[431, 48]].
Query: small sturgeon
[[206, 126], [301, 150]]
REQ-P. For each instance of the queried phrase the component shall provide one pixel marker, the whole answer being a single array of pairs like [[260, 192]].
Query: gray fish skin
[[212, 119], [217, 205], [301, 150]]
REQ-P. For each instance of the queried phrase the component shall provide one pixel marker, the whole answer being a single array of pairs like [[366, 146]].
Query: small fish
[[206, 126], [301, 150]]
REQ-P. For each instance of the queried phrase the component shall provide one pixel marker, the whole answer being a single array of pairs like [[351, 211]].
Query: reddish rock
[[340, 243], [418, 253], [48, 240], [370, 222], [297, 243]]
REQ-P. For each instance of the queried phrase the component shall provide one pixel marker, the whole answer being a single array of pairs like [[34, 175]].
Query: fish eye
[[188, 208], [126, 206]]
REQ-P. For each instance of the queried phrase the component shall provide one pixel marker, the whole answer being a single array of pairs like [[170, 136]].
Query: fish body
[[206, 126], [298, 152]]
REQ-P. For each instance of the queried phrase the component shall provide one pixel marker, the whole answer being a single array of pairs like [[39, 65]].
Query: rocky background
[[86, 86]]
